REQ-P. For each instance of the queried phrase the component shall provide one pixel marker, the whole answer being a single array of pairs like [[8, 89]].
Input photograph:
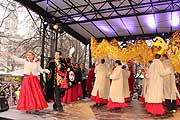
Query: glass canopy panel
[[175, 20], [80, 30], [119, 26], [60, 3], [132, 25], [163, 22], [78, 2], [45, 6], [148, 23], [105, 28], [91, 28]]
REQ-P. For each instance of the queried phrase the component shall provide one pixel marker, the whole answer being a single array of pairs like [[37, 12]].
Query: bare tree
[[66, 42], [19, 45]]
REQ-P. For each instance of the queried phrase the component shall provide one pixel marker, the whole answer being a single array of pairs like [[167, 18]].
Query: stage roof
[[123, 19]]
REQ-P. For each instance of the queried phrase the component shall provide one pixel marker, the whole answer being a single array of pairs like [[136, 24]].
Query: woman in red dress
[[131, 78], [31, 95], [71, 91], [90, 79]]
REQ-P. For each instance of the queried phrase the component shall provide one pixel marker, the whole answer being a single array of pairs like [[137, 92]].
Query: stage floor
[[82, 110]]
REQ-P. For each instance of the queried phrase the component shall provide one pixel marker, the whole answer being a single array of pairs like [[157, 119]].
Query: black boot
[[60, 109], [55, 107]]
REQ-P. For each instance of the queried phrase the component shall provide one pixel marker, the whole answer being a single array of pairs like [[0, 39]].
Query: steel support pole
[[42, 52], [90, 57], [56, 40]]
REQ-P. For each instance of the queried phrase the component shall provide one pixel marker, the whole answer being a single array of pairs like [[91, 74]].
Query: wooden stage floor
[[83, 110]]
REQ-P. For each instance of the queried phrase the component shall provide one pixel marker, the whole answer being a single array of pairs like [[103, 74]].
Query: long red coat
[[131, 81], [90, 80]]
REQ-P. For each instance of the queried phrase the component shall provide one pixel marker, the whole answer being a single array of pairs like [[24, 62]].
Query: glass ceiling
[[110, 18]]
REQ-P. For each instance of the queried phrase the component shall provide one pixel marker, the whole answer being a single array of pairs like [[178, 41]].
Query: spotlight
[[55, 26], [45, 23]]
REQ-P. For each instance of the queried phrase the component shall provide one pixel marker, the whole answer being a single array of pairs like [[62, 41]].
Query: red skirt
[[142, 99], [155, 108], [98, 100], [79, 90], [112, 104], [75, 93], [31, 95], [177, 101], [89, 86], [67, 98], [71, 94], [128, 99]]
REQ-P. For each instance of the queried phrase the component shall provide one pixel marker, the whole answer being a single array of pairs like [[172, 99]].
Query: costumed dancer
[[78, 78], [155, 96], [126, 74], [177, 77], [31, 94], [116, 95], [56, 79], [145, 83], [90, 79], [71, 91], [49, 84], [101, 86], [170, 89], [131, 78], [84, 72]]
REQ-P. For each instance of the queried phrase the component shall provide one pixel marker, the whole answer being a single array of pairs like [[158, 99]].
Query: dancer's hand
[[46, 71], [70, 83], [68, 69]]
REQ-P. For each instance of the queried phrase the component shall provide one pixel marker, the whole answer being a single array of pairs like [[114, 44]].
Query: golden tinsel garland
[[138, 51]]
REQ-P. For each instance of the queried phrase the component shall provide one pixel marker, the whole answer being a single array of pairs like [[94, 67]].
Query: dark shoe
[[102, 104], [117, 109], [60, 110], [173, 111], [28, 112], [156, 116], [94, 105], [168, 114], [98, 105], [55, 107], [80, 98]]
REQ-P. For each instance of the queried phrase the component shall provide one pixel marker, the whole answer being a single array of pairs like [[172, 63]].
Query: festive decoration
[[160, 44], [139, 51], [173, 51]]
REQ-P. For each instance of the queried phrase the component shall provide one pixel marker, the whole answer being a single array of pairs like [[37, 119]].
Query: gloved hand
[[46, 71]]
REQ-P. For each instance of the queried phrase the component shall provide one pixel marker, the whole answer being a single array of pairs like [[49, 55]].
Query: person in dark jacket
[[58, 68]]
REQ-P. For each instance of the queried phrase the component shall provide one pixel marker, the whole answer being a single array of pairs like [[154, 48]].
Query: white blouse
[[29, 67]]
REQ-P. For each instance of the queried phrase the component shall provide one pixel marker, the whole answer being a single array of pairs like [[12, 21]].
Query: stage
[[83, 110]]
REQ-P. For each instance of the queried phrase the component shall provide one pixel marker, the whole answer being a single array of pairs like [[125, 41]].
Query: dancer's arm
[[17, 59], [42, 70]]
